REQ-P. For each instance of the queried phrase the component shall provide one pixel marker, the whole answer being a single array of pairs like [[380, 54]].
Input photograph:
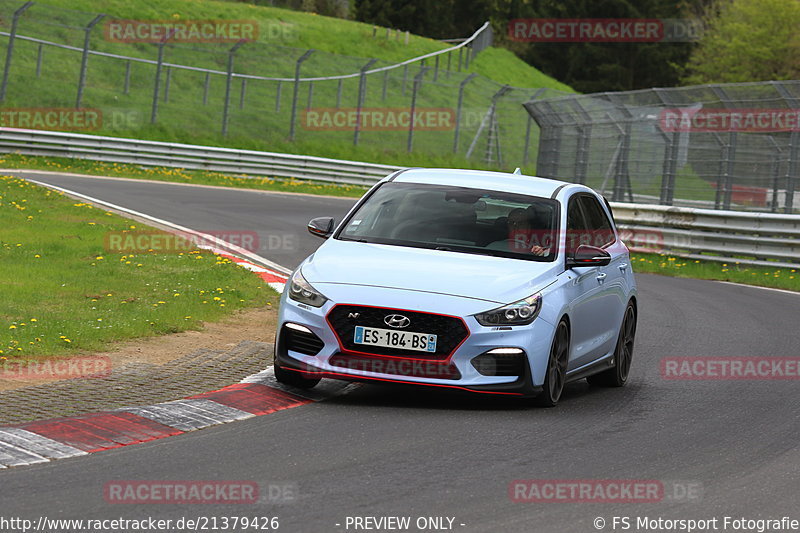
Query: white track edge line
[[759, 287], [178, 227]]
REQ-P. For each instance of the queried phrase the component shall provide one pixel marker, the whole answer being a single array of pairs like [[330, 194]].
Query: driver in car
[[525, 235]]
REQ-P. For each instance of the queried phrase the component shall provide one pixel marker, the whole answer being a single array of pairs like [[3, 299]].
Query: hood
[[493, 279]]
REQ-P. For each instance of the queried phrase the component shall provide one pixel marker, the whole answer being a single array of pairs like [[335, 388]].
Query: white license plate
[[388, 338]]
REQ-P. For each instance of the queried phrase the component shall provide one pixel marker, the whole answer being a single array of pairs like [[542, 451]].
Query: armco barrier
[[716, 235], [709, 234], [188, 156]]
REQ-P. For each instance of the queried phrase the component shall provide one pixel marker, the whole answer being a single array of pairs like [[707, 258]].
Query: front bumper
[[333, 358]]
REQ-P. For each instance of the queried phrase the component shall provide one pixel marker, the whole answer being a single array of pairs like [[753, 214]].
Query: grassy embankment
[[63, 293], [341, 46]]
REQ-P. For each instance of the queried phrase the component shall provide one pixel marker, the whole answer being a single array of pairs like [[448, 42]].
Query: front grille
[[450, 331], [301, 341]]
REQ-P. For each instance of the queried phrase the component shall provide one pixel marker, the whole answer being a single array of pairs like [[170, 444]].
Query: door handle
[[601, 277], [623, 267]]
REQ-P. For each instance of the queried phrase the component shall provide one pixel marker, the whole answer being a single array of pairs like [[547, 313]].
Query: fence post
[[127, 88], [414, 90], [405, 78], [278, 97], [362, 90], [547, 132], [461, 87], [39, 57], [528, 130], [228, 82], [729, 153], [449, 61], [339, 93], [552, 146], [582, 149], [297, 65], [157, 83], [87, 34], [792, 170], [776, 172], [490, 121], [206, 87], [723, 150], [385, 84], [12, 36], [242, 93], [310, 95], [167, 83], [669, 168], [793, 163]]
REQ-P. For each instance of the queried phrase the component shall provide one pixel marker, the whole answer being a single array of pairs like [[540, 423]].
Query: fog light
[[300, 339], [500, 362], [297, 327]]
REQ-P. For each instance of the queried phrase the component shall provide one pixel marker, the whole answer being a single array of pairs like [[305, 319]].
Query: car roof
[[483, 179]]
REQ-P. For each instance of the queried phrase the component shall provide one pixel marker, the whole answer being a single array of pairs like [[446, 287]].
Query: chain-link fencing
[[264, 95], [731, 146]]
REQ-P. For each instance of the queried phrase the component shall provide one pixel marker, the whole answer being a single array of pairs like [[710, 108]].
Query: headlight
[[301, 291], [519, 313]]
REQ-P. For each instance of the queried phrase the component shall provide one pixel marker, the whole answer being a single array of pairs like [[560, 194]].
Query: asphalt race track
[[406, 452]]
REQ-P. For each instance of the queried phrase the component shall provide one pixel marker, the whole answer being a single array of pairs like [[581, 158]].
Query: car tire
[[617, 375], [556, 374], [293, 379]]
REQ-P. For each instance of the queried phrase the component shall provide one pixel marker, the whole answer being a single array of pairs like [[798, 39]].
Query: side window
[[598, 225], [576, 225]]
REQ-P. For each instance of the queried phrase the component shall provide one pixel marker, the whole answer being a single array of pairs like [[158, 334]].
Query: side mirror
[[321, 227], [588, 256]]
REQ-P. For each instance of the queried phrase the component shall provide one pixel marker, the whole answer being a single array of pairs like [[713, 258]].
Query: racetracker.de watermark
[[378, 119], [603, 491], [730, 368], [51, 118], [180, 31], [46, 369], [408, 367], [180, 241], [611, 30], [181, 492], [194, 492], [713, 120]]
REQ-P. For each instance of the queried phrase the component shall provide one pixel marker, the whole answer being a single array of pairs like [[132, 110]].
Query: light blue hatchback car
[[477, 281]]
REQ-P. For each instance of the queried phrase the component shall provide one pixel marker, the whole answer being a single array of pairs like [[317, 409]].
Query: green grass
[[63, 293], [503, 66], [177, 175], [263, 123], [667, 265]]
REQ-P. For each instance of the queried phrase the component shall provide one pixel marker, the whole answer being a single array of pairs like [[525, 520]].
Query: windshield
[[456, 219]]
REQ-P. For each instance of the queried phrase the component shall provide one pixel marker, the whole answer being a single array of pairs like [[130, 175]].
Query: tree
[[748, 40], [596, 66], [586, 66]]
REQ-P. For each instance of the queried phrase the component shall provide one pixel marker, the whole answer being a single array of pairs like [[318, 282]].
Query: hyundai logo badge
[[397, 321]]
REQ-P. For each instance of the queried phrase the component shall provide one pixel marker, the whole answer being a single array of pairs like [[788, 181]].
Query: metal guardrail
[[189, 156], [764, 239], [707, 234]]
